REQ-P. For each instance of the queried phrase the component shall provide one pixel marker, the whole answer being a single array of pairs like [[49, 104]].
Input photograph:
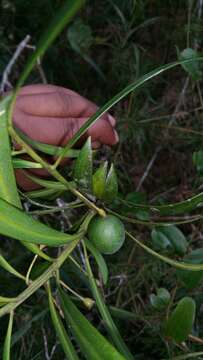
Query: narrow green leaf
[[82, 172], [19, 225], [7, 342], [99, 180], [25, 164], [44, 193], [60, 331], [195, 202], [111, 186], [93, 345], [5, 300], [164, 222], [8, 188], [106, 316], [37, 251], [49, 184], [123, 314], [99, 259], [6, 266], [46, 148], [180, 322]]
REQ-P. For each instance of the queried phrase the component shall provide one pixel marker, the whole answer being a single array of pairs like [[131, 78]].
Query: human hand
[[52, 115]]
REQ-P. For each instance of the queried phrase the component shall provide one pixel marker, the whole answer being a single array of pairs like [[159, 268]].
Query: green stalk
[[176, 264], [110, 326], [41, 280], [7, 342], [53, 171]]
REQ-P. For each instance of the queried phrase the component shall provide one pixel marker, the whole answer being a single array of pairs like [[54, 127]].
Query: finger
[[50, 100], [49, 130], [58, 131], [60, 102], [101, 132], [37, 89]]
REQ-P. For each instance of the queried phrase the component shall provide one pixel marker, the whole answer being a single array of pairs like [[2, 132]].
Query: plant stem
[[53, 171], [35, 285], [110, 326], [41, 280]]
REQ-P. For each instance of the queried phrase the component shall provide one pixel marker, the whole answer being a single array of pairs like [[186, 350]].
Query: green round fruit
[[106, 233]]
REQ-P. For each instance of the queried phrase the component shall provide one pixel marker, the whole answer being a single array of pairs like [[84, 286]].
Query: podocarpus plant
[[94, 191]]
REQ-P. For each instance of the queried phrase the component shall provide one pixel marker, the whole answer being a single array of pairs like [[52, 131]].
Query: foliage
[[136, 302]]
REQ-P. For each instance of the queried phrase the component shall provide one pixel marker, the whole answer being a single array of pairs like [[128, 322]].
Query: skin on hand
[[52, 115]]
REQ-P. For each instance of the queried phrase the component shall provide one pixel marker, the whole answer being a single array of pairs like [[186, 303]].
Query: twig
[[45, 344], [11, 63], [148, 168], [180, 101], [39, 66]]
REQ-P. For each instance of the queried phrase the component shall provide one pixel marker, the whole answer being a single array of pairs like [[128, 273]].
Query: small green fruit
[[106, 233]]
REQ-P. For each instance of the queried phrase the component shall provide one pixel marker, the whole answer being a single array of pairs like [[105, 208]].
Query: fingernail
[[116, 137], [111, 120]]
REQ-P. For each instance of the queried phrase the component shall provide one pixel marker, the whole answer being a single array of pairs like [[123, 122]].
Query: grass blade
[[6, 266], [123, 93], [60, 330], [93, 345], [7, 343]]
